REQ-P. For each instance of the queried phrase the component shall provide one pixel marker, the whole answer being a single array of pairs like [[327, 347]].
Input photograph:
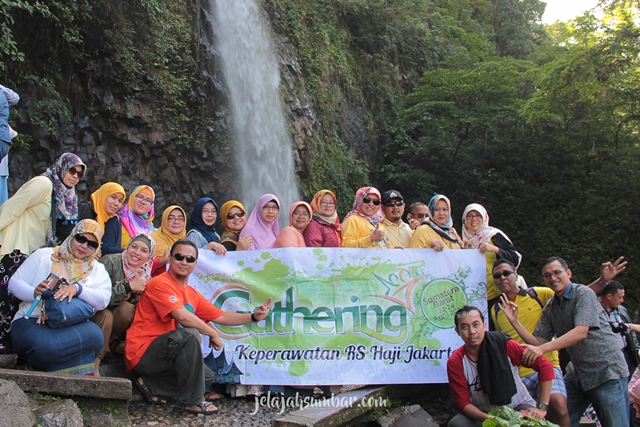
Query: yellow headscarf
[[229, 235], [163, 237], [64, 264], [99, 198]]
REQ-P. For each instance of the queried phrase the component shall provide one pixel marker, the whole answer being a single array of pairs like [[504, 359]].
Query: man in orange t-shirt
[[164, 343]]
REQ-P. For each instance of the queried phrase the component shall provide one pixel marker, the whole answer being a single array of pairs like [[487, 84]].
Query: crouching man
[[163, 342], [483, 373]]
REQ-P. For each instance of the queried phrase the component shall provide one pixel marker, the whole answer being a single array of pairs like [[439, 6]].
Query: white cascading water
[[262, 141]]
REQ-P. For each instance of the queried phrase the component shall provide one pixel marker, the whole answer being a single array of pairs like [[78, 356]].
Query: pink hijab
[[263, 233], [291, 237]]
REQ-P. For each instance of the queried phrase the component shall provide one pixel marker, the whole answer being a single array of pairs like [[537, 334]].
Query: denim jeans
[[610, 400]]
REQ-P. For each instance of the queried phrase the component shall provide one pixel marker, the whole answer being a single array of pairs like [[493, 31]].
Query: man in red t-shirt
[[164, 343]]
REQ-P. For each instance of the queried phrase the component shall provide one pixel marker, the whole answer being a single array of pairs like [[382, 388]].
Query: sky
[[563, 10]]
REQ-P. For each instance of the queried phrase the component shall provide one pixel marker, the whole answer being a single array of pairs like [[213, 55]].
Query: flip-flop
[[205, 408], [210, 397], [156, 400]]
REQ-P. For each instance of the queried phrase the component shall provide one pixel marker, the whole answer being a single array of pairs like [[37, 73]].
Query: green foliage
[[507, 417]]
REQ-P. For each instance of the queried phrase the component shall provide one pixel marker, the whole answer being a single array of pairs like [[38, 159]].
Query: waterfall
[[261, 137]]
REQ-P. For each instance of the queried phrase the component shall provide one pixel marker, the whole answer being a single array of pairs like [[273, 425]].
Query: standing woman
[[105, 203], [137, 215], [70, 349], [262, 225], [362, 227], [234, 219], [299, 218], [437, 230], [324, 228], [488, 240], [129, 273], [64, 174], [172, 229], [201, 228]]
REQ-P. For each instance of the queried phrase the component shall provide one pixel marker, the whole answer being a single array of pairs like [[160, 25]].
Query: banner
[[340, 316]]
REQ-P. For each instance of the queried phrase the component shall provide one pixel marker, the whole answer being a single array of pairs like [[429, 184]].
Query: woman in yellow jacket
[[362, 227], [437, 230]]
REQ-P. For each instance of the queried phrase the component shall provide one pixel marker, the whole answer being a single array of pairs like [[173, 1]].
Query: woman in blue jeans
[[70, 349]]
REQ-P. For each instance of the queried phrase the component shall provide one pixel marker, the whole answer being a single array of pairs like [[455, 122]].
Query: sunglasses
[[179, 257], [367, 200], [90, 243], [392, 204], [420, 215], [76, 172], [505, 273], [232, 215]]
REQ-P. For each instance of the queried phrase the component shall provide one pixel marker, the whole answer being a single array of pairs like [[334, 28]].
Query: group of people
[[134, 276]]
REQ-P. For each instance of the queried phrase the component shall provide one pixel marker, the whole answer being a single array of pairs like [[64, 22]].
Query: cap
[[391, 194]]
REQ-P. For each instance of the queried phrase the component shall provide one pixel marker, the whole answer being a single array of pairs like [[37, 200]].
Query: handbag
[[62, 313]]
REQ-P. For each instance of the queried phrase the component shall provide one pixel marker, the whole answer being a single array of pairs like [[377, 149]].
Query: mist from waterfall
[[261, 138]]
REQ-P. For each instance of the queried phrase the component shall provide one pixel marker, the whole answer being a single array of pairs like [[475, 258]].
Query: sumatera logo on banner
[[340, 316]]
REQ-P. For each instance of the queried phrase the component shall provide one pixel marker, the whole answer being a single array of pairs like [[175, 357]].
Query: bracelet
[[253, 317], [79, 287], [601, 282]]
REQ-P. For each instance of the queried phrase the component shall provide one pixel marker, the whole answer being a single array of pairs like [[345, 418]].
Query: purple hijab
[[263, 233]]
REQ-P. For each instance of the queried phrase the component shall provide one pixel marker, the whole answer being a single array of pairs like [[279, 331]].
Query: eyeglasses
[[76, 172], [471, 216], [367, 200], [392, 204], [90, 243], [325, 203], [189, 258], [302, 214], [142, 199], [419, 215], [174, 219], [557, 273], [271, 208], [505, 273], [209, 211], [238, 214]]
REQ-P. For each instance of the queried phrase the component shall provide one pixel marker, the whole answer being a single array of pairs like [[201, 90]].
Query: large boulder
[[63, 413], [14, 406]]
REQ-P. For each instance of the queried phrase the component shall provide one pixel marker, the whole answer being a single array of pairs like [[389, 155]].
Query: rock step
[[69, 385]]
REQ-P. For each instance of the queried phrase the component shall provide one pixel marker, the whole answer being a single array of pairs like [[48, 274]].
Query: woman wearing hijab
[[324, 228], [201, 228], [362, 227], [291, 236], [137, 215], [105, 203], [70, 349], [129, 273], [42, 212], [234, 218], [172, 229], [262, 225], [437, 230], [477, 234]]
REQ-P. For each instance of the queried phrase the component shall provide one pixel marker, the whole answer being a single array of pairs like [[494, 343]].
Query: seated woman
[[137, 215], [70, 349], [234, 219], [172, 229], [105, 203], [201, 228], [262, 225], [437, 230], [490, 241], [299, 218], [129, 272], [324, 228], [362, 227]]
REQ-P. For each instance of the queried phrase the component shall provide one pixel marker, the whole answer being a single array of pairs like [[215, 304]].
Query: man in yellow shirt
[[530, 303], [398, 231]]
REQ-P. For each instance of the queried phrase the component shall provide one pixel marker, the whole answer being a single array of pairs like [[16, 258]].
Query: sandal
[[204, 408], [210, 397], [156, 400]]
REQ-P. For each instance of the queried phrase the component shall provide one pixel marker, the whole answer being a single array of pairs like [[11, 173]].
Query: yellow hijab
[[99, 198], [163, 237], [64, 264]]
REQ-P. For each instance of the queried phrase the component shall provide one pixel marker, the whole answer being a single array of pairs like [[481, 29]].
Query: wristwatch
[[543, 406]]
